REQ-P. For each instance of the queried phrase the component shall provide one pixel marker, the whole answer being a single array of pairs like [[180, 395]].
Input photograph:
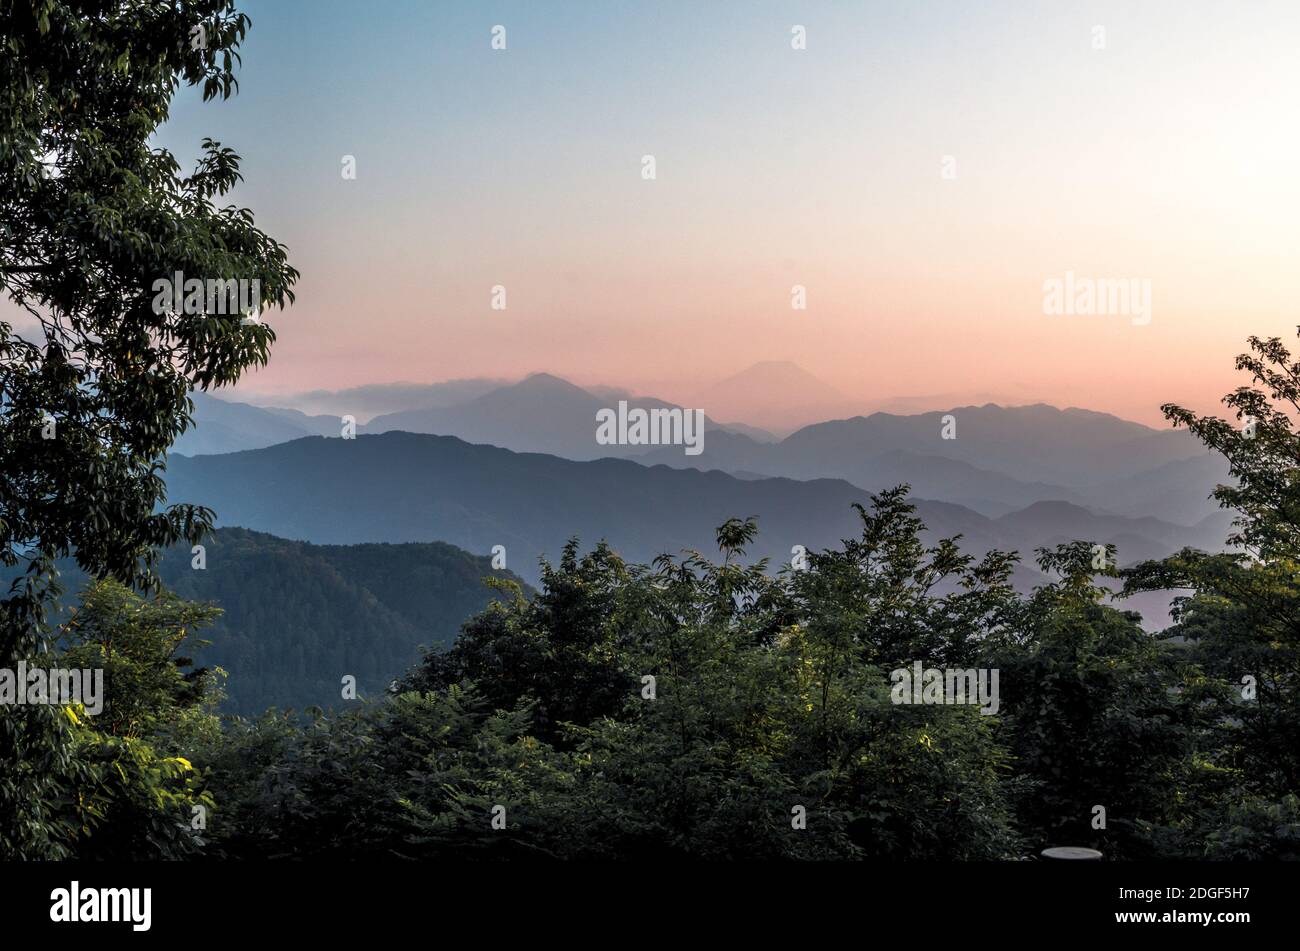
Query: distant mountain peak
[[783, 372], [546, 379], [777, 395], [1054, 507]]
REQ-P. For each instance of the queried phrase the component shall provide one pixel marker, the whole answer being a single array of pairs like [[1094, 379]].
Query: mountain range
[[407, 487], [998, 459], [343, 555], [541, 413], [373, 399]]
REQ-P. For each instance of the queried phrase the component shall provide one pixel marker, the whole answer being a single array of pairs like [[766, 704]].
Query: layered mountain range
[[990, 458], [409, 487], [381, 540]]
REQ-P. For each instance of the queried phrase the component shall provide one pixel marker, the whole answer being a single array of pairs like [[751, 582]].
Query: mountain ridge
[[400, 487]]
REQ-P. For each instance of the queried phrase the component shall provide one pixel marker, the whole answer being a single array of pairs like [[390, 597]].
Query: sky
[[920, 168]]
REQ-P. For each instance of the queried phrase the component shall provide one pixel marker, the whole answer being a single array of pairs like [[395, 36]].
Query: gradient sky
[[1171, 156]]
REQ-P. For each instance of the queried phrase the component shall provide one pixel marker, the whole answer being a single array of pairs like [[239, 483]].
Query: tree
[[136, 642], [885, 600], [1098, 712], [96, 388], [562, 650], [138, 791], [1242, 620]]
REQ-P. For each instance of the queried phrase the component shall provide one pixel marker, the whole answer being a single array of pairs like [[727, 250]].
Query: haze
[[1166, 156]]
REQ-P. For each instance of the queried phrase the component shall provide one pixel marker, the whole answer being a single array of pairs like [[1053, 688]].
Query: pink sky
[[1167, 156]]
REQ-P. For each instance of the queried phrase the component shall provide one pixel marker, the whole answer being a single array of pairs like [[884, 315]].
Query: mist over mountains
[[480, 463], [1001, 459], [370, 400], [541, 413], [775, 394], [407, 487]]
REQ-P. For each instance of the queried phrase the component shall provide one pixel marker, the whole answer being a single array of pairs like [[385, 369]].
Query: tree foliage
[[1241, 620], [94, 379]]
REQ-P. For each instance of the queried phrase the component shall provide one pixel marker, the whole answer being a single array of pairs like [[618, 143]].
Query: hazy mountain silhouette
[[1069, 447], [987, 492], [541, 413], [402, 487], [942, 402], [775, 394], [753, 432], [366, 402], [222, 426], [1137, 539], [612, 394], [1001, 458], [322, 424], [1176, 491]]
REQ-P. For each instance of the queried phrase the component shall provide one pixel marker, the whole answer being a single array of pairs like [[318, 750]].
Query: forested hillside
[[298, 617], [295, 617]]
